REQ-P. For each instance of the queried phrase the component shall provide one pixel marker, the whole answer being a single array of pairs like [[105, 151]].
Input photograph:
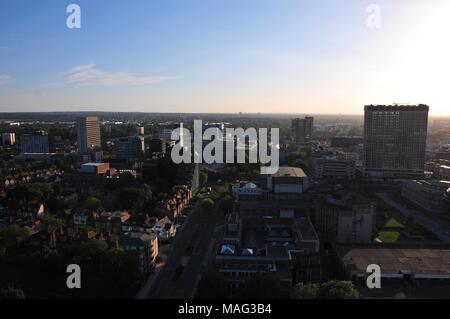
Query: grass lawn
[[388, 219], [393, 223], [389, 236]]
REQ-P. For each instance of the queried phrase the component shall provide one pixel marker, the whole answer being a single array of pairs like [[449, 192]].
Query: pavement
[[433, 223]]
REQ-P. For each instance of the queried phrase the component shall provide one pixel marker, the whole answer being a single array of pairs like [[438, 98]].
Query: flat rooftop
[[93, 164], [289, 172], [397, 260], [397, 107]]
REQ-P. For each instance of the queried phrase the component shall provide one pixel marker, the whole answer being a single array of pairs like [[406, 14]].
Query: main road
[[188, 257]]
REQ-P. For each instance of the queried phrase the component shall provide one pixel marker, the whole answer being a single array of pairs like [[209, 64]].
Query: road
[[434, 224], [145, 289], [179, 277]]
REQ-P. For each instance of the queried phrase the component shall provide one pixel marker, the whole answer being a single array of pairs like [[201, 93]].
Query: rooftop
[[93, 164], [138, 239], [289, 172], [398, 260], [397, 107]]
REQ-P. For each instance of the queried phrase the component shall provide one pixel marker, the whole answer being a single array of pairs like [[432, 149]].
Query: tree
[[336, 289], [45, 258], [92, 204], [207, 204], [203, 178], [11, 237], [135, 198], [212, 286], [226, 204], [73, 160], [158, 212], [39, 191], [333, 289], [90, 253], [59, 164], [120, 269], [305, 291], [92, 247], [262, 287], [11, 293], [50, 224]]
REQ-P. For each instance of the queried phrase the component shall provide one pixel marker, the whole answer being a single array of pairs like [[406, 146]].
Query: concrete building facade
[[88, 133], [395, 140]]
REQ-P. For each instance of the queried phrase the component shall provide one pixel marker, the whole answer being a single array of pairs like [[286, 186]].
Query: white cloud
[[90, 75], [4, 79]]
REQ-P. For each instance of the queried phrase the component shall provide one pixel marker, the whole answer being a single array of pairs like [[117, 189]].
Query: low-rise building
[[164, 229], [416, 272], [286, 248], [145, 246], [288, 180], [112, 222], [178, 201], [80, 218], [332, 168], [242, 190], [345, 141], [345, 218], [95, 168], [130, 147]]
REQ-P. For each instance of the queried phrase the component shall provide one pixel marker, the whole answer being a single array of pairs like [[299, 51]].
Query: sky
[[224, 56]]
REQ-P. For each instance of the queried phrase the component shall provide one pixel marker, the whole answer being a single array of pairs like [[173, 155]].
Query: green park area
[[394, 227]]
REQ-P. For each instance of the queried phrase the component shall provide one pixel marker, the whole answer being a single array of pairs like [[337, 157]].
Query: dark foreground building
[[286, 249], [411, 271]]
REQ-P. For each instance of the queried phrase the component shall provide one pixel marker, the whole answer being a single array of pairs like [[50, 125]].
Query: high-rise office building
[[38, 142], [302, 130], [88, 132], [130, 147], [395, 140]]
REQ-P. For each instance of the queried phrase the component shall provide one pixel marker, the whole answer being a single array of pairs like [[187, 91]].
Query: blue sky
[[273, 56]]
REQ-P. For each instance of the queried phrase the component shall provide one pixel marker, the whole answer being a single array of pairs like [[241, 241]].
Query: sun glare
[[425, 62]]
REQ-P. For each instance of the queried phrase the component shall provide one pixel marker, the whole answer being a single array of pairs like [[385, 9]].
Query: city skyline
[[223, 57]]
